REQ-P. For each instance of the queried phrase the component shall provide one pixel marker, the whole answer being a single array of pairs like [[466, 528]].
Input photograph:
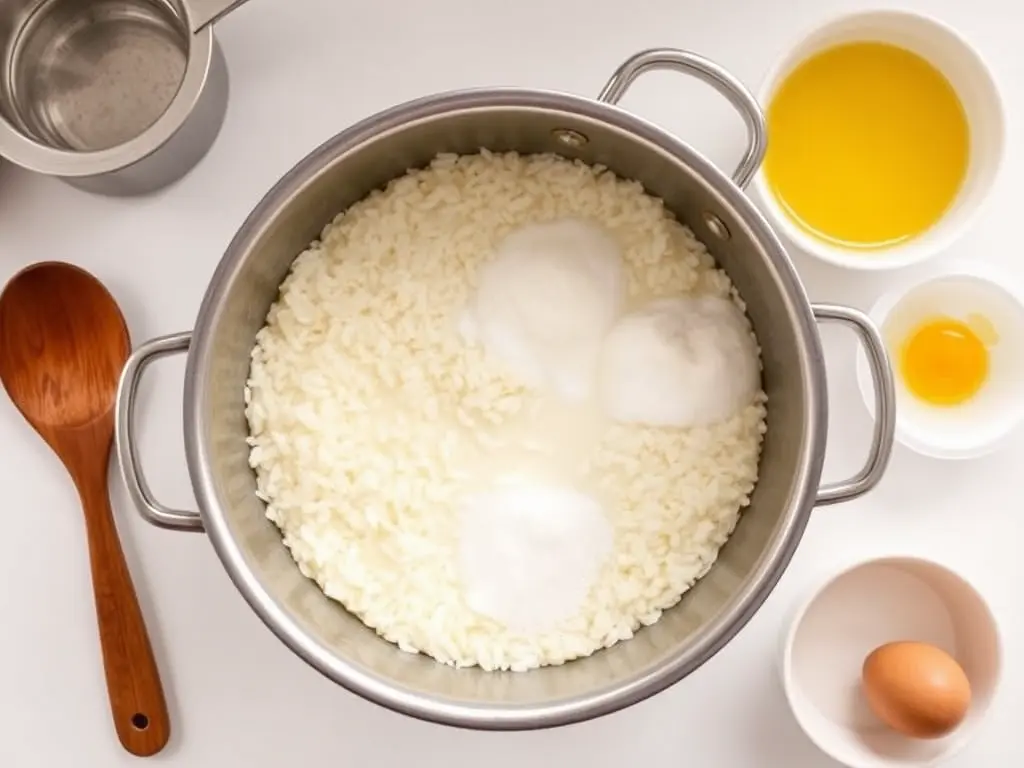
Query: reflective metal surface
[[884, 433], [124, 418], [202, 13], [88, 80], [343, 171], [719, 78], [115, 96]]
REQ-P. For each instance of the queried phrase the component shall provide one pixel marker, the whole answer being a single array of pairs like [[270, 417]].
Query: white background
[[301, 71]]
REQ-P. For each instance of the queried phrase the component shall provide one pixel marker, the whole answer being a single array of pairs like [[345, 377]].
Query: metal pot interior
[[63, 94], [343, 171]]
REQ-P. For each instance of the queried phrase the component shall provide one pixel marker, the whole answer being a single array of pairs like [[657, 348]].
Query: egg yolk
[[944, 362]]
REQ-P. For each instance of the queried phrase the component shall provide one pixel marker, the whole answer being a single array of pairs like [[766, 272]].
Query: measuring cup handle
[[885, 405], [202, 13], [712, 74], [127, 446]]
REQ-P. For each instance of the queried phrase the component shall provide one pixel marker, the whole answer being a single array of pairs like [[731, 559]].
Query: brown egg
[[916, 689]]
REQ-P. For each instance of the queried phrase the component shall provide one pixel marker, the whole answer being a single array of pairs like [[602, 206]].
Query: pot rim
[[704, 644], [21, 149]]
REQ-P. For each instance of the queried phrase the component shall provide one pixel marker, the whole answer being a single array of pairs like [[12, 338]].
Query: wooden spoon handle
[[133, 681]]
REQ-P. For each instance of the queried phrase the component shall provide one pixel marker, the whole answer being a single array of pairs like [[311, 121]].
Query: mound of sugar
[[679, 362], [529, 554], [545, 301]]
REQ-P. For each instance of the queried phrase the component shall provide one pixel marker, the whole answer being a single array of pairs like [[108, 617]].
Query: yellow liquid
[[868, 145], [944, 362]]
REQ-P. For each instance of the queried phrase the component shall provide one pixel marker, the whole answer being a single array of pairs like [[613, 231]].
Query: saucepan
[[117, 97], [364, 158]]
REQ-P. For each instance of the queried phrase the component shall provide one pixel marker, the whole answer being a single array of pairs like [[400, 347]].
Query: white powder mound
[[529, 553], [680, 362], [546, 300], [367, 411]]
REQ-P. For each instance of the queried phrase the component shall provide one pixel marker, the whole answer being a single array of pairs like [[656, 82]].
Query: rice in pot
[[364, 400]]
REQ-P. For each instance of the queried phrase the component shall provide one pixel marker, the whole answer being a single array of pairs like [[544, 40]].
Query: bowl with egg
[[894, 661], [956, 338], [505, 408], [886, 137]]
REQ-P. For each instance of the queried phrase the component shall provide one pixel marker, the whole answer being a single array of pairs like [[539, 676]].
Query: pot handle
[[124, 435], [712, 74], [885, 405]]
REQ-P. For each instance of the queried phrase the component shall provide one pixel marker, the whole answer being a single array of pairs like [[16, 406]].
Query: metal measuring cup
[[117, 97]]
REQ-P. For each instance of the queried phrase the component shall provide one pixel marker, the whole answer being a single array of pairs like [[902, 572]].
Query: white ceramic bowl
[[973, 82], [868, 605], [978, 427]]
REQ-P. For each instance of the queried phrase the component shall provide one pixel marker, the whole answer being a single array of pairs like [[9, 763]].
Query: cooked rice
[[363, 400]]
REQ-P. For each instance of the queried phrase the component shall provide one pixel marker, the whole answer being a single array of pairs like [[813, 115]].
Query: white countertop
[[302, 70]]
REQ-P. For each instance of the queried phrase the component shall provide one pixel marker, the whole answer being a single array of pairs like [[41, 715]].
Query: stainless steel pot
[[118, 97], [364, 158]]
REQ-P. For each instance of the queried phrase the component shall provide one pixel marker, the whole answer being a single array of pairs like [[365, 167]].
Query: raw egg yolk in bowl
[[956, 343]]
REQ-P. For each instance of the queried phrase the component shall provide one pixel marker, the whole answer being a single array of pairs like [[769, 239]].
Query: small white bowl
[[868, 605], [977, 427], [971, 79]]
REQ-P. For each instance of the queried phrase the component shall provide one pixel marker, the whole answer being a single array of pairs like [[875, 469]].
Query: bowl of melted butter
[[886, 136], [956, 341]]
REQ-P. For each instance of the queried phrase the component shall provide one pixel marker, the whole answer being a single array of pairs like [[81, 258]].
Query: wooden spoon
[[63, 343]]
